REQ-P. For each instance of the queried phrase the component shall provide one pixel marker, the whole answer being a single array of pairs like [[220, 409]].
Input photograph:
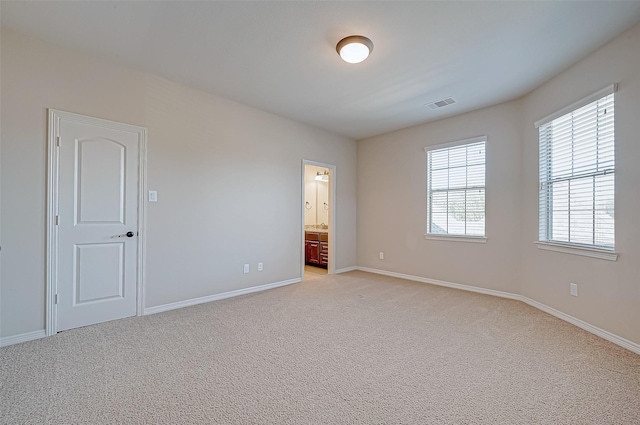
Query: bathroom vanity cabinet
[[316, 249]]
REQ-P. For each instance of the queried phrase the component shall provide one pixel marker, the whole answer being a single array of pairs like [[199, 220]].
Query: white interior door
[[98, 196]]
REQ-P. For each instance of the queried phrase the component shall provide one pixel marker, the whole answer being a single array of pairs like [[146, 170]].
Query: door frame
[[331, 269], [54, 119]]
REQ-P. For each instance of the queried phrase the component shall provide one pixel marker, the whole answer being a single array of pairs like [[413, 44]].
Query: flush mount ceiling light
[[354, 49]]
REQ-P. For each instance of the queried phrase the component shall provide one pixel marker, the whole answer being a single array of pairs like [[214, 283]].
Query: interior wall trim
[[216, 297], [333, 197], [469, 288], [17, 339], [30, 336], [347, 269], [611, 337]]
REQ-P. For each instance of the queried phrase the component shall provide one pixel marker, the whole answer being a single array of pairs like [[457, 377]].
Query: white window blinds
[[577, 176], [456, 188]]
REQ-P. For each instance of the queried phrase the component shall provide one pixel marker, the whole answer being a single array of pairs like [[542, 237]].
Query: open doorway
[[318, 208]]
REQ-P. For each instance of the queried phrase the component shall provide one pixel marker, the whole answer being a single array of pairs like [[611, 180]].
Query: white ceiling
[[280, 56]]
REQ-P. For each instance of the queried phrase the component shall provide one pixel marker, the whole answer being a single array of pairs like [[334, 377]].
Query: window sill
[[603, 254], [455, 238]]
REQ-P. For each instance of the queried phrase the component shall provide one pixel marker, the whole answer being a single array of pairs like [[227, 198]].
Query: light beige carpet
[[347, 349]]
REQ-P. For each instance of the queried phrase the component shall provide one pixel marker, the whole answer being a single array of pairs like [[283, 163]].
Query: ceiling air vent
[[441, 103]]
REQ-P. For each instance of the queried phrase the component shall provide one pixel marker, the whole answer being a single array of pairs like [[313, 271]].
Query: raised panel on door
[[99, 273], [100, 181], [307, 251], [314, 253]]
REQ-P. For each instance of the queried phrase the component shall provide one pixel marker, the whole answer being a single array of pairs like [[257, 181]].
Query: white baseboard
[[346, 269], [469, 288], [622, 342], [216, 297], [625, 343], [17, 339]]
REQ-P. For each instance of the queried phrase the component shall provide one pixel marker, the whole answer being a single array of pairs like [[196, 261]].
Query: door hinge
[[58, 141], [56, 300], [57, 220]]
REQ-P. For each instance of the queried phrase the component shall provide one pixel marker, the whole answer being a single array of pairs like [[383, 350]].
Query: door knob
[[130, 234]]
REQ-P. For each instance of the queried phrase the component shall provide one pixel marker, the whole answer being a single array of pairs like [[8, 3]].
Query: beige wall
[[228, 179], [609, 292], [392, 202], [392, 198]]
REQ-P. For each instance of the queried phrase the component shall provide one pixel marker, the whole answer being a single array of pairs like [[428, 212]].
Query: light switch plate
[[153, 196]]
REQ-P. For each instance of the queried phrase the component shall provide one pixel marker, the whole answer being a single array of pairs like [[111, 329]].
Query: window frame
[[588, 250], [456, 237]]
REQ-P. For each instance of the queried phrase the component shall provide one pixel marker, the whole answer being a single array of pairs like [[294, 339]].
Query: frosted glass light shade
[[354, 49]]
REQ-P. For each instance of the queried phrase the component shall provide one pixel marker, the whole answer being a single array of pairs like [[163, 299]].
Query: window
[[577, 169], [456, 189]]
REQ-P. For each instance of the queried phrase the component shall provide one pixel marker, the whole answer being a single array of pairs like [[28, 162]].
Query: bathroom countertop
[[315, 228]]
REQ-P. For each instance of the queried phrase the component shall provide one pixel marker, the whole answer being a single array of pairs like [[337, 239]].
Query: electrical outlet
[[259, 267], [573, 289], [246, 268], [381, 255]]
